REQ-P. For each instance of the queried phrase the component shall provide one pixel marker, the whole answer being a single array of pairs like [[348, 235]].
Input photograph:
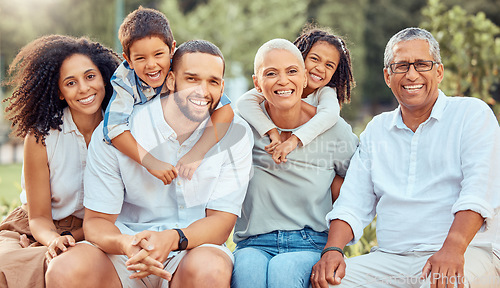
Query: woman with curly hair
[[61, 87]]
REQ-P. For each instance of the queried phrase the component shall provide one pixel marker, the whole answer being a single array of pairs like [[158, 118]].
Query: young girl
[[61, 86], [329, 75]]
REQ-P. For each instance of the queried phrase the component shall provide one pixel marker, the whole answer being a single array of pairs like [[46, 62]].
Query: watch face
[[183, 243]]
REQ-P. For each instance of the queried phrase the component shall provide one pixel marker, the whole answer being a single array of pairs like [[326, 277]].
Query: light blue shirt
[[416, 182], [115, 184], [130, 90]]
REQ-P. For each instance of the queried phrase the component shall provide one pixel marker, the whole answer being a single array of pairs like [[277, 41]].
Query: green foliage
[[7, 206], [366, 242], [10, 187], [470, 50], [237, 27], [384, 18], [347, 19]]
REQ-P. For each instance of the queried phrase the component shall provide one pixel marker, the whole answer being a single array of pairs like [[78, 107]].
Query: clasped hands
[[147, 251]]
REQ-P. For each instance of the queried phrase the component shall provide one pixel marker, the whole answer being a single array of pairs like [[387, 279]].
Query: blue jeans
[[277, 259]]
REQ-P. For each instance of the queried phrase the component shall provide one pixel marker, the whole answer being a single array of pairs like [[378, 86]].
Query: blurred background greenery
[[468, 32]]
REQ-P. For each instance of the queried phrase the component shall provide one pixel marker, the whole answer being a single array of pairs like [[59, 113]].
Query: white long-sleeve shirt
[[416, 181]]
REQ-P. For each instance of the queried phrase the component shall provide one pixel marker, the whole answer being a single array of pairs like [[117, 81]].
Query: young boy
[[148, 46]]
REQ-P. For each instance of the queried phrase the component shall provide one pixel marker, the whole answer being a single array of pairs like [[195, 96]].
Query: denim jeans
[[277, 259]]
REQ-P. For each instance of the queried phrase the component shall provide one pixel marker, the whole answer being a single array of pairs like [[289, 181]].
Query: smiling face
[[197, 83], [281, 78], [415, 91], [321, 63], [81, 85], [150, 59]]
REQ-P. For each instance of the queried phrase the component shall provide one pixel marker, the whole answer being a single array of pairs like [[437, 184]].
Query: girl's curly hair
[[342, 80], [35, 106]]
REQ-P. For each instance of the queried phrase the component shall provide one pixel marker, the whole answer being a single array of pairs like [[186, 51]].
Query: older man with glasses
[[429, 171]]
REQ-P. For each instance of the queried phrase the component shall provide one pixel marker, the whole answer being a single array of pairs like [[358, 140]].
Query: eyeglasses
[[420, 66]]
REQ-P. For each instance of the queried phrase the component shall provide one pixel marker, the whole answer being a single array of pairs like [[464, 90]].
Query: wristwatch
[[183, 241]]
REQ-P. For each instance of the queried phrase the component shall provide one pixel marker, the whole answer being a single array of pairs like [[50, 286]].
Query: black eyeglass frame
[[391, 66]]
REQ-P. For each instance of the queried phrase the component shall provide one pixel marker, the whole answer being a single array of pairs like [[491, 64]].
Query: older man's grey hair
[[278, 43], [408, 34]]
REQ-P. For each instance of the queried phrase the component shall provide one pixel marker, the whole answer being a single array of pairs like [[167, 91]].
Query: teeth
[[410, 87], [199, 102], [316, 77], [287, 92], [154, 75], [87, 100]]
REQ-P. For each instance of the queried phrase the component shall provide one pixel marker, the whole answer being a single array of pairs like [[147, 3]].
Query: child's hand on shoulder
[[164, 171], [283, 149], [275, 138]]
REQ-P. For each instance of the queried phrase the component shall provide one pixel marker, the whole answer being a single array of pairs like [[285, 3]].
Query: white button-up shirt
[[115, 184], [416, 181]]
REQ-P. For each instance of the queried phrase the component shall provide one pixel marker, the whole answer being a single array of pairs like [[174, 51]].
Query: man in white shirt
[[150, 230], [429, 171]]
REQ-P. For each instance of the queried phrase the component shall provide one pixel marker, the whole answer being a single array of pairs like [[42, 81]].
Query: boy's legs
[[82, 266]]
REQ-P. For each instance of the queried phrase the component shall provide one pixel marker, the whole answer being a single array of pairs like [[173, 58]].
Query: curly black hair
[[342, 80], [35, 106]]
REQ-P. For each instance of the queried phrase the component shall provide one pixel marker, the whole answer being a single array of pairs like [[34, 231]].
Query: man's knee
[[206, 265]]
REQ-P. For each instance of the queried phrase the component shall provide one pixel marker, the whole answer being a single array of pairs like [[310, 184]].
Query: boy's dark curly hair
[[142, 23], [342, 80], [35, 106]]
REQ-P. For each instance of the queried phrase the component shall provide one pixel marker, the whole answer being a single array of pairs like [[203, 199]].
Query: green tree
[[347, 19], [237, 27], [470, 50]]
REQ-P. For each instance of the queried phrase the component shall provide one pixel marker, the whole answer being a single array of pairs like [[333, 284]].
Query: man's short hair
[[280, 44], [142, 23], [408, 34], [196, 46]]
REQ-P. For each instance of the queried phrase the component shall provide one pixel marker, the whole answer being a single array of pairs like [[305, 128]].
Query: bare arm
[[449, 261], [37, 179], [328, 113], [214, 228], [335, 188], [216, 129], [330, 269], [249, 108], [126, 143]]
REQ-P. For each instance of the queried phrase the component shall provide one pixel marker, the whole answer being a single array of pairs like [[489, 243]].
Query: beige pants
[[25, 267], [380, 269]]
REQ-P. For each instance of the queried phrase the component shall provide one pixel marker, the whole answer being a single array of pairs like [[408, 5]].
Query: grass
[[10, 187]]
